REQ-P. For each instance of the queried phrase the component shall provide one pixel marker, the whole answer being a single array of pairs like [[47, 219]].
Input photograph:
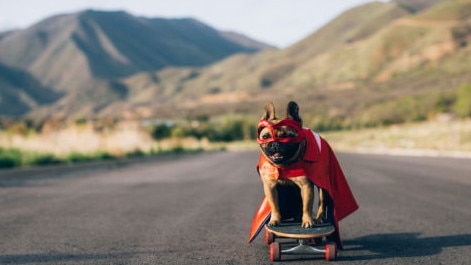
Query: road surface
[[197, 209]]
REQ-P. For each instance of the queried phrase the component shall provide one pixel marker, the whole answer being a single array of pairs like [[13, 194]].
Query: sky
[[276, 22]]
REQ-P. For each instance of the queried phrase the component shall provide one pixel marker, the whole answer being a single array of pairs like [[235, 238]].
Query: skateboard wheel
[[330, 251], [269, 237], [275, 251]]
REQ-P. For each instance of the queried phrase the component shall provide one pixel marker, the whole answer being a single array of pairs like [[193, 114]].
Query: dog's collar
[[285, 122]]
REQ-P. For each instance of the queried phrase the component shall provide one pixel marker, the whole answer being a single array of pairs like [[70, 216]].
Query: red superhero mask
[[286, 122]]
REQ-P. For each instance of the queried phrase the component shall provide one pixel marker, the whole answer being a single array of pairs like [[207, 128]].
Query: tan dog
[[282, 143]]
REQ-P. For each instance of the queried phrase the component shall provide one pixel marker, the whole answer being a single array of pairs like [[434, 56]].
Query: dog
[[282, 142]]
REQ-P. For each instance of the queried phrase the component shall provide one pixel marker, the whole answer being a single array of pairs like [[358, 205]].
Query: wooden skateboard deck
[[294, 230]]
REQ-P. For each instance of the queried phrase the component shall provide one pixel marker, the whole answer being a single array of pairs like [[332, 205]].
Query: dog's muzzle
[[279, 153]]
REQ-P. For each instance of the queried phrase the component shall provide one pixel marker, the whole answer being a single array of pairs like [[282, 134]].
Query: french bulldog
[[282, 142]]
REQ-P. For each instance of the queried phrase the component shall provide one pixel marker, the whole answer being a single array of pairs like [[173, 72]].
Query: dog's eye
[[266, 136]]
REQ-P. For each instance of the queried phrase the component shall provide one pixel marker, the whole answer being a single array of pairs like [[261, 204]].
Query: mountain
[[234, 83], [373, 64], [67, 51], [20, 92]]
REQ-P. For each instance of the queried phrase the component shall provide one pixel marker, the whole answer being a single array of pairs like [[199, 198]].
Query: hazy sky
[[278, 22]]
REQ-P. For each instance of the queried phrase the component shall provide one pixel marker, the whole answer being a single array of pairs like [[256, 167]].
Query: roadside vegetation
[[14, 157], [438, 121]]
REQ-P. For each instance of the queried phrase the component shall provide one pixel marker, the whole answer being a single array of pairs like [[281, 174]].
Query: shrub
[[10, 158], [45, 159], [161, 131], [76, 157], [136, 153], [463, 101], [231, 130]]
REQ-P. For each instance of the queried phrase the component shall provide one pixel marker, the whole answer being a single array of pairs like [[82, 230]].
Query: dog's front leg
[[307, 195], [320, 218], [326, 208], [271, 193]]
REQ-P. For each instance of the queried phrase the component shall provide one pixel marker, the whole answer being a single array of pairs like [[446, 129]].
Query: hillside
[[242, 82], [20, 91], [374, 64], [104, 46]]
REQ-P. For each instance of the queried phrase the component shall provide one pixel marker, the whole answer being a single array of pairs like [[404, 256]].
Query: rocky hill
[[81, 54], [20, 92], [378, 63], [374, 64]]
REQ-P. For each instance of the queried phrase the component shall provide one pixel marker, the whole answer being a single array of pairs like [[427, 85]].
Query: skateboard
[[309, 240]]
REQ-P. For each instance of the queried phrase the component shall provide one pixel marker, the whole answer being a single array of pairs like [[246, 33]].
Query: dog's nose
[[273, 146]]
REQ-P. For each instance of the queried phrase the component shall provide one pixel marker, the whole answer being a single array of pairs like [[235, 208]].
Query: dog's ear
[[269, 112], [292, 112]]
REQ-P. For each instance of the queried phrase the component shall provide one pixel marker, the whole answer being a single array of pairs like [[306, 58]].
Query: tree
[[161, 131]]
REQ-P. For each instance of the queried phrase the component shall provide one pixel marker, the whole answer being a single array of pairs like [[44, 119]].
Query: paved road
[[197, 210]]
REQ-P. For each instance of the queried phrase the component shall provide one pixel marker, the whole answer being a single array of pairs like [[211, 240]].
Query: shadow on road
[[382, 246]]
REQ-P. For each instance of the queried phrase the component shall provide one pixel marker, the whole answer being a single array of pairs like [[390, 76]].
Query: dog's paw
[[307, 222], [320, 221]]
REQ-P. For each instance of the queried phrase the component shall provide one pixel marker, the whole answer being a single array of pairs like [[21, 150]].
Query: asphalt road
[[197, 209]]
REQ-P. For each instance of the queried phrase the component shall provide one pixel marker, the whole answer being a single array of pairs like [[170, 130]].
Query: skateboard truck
[[303, 247], [308, 241]]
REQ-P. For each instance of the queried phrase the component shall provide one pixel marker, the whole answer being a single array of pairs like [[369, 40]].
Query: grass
[[14, 157], [439, 137], [85, 142]]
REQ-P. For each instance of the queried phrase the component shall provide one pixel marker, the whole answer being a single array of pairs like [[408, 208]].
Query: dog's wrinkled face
[[281, 140], [280, 153]]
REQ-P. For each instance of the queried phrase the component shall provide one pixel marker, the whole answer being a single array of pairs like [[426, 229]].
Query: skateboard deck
[[294, 230]]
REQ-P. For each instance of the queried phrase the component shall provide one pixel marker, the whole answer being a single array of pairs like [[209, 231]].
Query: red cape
[[320, 165]]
